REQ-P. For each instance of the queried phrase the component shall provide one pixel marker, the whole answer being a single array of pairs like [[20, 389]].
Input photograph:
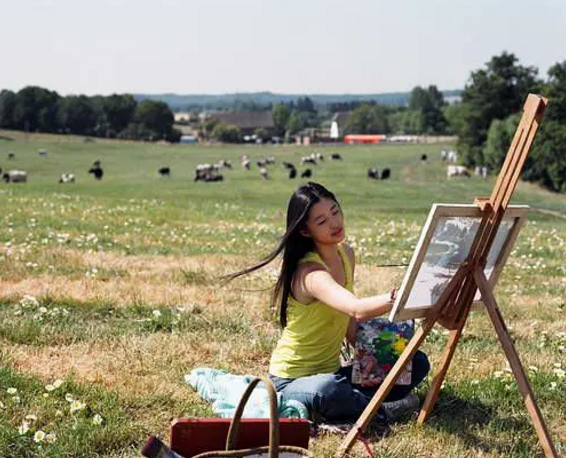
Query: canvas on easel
[[445, 242], [451, 309]]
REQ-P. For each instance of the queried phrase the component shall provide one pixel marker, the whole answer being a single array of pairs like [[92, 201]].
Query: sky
[[281, 46]]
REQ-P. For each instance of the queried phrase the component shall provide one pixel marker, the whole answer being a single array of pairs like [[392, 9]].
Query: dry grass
[[152, 366]]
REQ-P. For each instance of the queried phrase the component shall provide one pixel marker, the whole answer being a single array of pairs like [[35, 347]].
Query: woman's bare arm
[[320, 285]]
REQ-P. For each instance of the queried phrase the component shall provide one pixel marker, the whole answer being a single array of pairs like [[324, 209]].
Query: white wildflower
[[49, 387], [24, 428], [77, 405], [12, 390], [57, 383], [31, 417], [69, 397], [39, 436], [157, 314], [97, 419], [50, 438]]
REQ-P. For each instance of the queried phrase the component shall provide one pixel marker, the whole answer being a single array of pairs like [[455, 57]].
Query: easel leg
[[386, 386], [466, 299], [434, 389], [515, 362]]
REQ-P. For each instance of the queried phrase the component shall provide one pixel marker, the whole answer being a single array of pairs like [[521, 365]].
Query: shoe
[[396, 409]]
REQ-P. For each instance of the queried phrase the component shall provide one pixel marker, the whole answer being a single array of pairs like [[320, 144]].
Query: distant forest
[[265, 100]]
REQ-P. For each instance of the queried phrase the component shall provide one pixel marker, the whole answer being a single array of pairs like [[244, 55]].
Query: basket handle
[[273, 422]]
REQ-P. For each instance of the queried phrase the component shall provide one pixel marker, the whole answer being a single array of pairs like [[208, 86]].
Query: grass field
[[110, 293]]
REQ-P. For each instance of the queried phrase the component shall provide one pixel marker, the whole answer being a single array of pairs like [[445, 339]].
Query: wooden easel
[[452, 308]]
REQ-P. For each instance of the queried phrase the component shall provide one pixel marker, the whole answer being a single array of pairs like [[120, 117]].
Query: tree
[[36, 109], [305, 104], [295, 124], [7, 105], [119, 111], [429, 103], [499, 139], [495, 92], [78, 115], [156, 117], [547, 162], [419, 99], [226, 133], [281, 114], [368, 119], [406, 122]]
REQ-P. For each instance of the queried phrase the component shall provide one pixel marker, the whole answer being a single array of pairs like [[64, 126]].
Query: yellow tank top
[[311, 341]]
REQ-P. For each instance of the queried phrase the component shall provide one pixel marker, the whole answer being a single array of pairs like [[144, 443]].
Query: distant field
[[125, 271]]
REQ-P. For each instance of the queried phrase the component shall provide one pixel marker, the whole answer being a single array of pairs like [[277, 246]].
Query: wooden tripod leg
[[434, 389], [386, 386], [515, 362], [466, 300]]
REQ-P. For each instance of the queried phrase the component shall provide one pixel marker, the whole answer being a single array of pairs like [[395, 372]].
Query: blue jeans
[[333, 396]]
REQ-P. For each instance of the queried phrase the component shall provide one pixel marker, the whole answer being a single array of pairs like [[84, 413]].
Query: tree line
[[491, 109], [36, 109]]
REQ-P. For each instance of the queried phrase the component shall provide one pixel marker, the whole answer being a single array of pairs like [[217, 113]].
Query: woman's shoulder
[[349, 252]]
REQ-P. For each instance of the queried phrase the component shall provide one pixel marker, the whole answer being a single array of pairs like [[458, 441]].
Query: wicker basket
[[273, 450]]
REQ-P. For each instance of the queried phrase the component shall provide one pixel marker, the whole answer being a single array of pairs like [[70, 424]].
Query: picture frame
[[444, 244]]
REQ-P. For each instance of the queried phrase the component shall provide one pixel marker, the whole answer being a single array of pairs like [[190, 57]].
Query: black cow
[[307, 173], [335, 157], [292, 173], [385, 173], [424, 157], [165, 171], [11, 155], [373, 174], [288, 165], [97, 172]]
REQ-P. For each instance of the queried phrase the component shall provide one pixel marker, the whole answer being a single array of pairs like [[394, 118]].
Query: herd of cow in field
[[213, 172]]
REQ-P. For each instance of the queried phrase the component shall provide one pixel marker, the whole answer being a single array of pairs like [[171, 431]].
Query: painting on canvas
[[444, 245]]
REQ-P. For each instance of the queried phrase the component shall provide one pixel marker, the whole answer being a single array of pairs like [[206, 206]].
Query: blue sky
[[290, 46]]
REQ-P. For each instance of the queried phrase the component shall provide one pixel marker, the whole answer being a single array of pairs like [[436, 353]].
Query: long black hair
[[293, 244]]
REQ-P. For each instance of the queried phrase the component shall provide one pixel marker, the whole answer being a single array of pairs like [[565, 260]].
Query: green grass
[[127, 272]]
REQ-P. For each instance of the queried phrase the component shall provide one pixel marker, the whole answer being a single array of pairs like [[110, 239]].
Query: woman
[[318, 310]]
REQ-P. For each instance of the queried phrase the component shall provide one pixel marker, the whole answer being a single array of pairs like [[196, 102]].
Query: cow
[[263, 172], [452, 156], [481, 171], [262, 163], [206, 173], [11, 155], [373, 174], [307, 173], [42, 153], [67, 178], [457, 171], [97, 172], [385, 173], [424, 157], [223, 164], [288, 165], [308, 160], [292, 173], [165, 171], [15, 176], [335, 157], [246, 163]]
